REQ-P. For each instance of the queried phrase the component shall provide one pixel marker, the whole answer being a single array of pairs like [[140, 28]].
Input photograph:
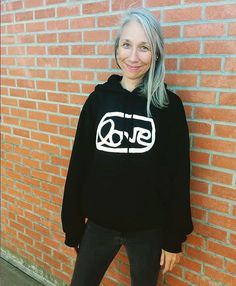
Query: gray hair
[[152, 85]]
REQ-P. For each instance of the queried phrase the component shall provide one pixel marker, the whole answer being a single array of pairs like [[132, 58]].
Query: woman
[[128, 177]]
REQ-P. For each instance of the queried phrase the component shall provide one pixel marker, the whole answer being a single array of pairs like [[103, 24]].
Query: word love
[[112, 137]]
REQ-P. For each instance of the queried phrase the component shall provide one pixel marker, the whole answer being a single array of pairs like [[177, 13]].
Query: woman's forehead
[[133, 30]]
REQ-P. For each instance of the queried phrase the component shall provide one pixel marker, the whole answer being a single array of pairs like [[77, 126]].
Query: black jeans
[[100, 245]]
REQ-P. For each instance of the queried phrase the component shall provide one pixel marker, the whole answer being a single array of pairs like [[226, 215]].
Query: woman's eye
[[125, 45], [144, 48]]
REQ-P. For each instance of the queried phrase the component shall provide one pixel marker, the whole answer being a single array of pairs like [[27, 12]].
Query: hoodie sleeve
[[179, 211], [73, 220]]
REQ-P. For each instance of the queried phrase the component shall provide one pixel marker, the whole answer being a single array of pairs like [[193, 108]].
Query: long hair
[[152, 85]]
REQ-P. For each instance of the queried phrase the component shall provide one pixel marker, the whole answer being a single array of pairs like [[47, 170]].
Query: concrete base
[[10, 275]]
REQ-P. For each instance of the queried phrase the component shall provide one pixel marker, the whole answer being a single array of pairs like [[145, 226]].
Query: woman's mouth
[[132, 68]]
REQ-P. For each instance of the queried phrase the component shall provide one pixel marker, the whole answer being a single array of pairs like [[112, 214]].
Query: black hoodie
[[127, 171]]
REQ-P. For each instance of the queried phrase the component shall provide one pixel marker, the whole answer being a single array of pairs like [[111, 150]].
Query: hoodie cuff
[[172, 247], [74, 240], [173, 243]]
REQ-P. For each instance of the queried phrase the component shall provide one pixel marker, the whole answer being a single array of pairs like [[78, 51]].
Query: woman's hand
[[168, 260]]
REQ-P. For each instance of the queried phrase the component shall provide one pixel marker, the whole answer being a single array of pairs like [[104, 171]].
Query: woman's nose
[[133, 55]]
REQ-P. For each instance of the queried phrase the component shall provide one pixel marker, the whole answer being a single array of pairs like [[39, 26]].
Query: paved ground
[[12, 276]]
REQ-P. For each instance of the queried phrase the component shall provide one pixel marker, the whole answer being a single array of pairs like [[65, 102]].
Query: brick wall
[[53, 53]]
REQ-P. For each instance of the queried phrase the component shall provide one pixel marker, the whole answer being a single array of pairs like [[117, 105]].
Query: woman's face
[[134, 52]]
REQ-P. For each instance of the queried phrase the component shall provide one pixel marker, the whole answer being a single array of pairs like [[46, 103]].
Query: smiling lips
[[132, 68]]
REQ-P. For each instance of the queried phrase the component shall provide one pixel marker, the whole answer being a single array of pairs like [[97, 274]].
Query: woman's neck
[[128, 84]]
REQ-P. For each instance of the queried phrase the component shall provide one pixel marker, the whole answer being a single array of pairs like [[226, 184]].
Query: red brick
[[225, 131], [58, 74], [196, 279], [36, 51], [9, 101], [98, 63], [199, 186], [25, 39], [224, 222], [200, 1], [68, 87], [88, 88], [181, 79], [58, 25], [183, 47], [82, 75], [230, 64], [37, 115], [7, 18], [14, 6], [21, 133], [220, 276], [16, 28], [70, 62], [228, 98], [54, 170], [232, 29], [48, 128], [70, 37], [68, 109], [233, 236], [40, 95], [227, 115], [40, 174], [58, 119], [207, 64], [103, 76], [33, 3], [58, 50], [8, 40], [75, 99], [221, 249], [24, 16], [25, 62], [47, 38], [224, 162], [214, 144], [68, 11], [40, 136], [231, 266], [45, 13], [197, 96], [124, 5], [210, 203], [48, 85], [47, 106], [53, 2], [206, 257], [85, 22], [96, 36], [57, 97], [221, 12], [27, 104], [223, 192], [171, 64], [200, 157], [154, 3], [171, 31], [204, 30], [95, 8], [25, 238], [45, 62], [59, 141], [8, 60], [212, 175], [108, 21], [180, 15], [171, 280], [220, 47], [198, 214], [83, 50]]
